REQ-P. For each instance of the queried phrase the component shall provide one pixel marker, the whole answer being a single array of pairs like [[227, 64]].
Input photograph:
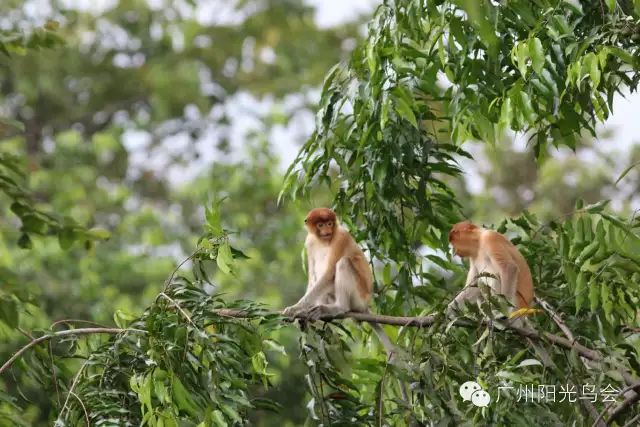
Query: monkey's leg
[[315, 295], [345, 293]]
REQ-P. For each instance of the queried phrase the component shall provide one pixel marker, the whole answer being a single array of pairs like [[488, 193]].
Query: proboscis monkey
[[491, 252], [340, 279]]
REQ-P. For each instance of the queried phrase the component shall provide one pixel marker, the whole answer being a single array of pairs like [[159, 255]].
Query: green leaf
[[506, 114], [224, 258], [66, 237], [9, 312], [591, 61], [218, 419], [404, 110], [581, 289], [594, 295], [529, 362], [525, 106], [611, 5], [521, 57], [386, 274], [98, 233], [33, 224], [212, 216], [596, 207], [275, 346], [537, 54], [25, 241], [625, 172], [182, 397]]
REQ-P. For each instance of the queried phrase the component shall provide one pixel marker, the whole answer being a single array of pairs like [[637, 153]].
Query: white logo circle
[[467, 389], [480, 398]]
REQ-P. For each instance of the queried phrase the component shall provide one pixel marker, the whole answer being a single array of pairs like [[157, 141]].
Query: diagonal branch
[[70, 332], [593, 413], [630, 400]]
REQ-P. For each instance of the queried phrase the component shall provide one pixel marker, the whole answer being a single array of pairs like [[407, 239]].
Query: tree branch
[[588, 406], [630, 400], [426, 321], [80, 331]]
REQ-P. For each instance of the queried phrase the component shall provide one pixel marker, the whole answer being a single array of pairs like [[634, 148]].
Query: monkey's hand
[[294, 310], [452, 310]]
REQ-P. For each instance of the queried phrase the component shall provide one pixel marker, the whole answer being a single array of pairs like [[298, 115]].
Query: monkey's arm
[[327, 277], [470, 292], [472, 275], [311, 272], [321, 287]]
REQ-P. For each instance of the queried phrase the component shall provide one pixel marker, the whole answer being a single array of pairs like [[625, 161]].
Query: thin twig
[[567, 332], [72, 321], [25, 333], [556, 318], [631, 391], [623, 406], [80, 331], [175, 270], [84, 409], [184, 313], [76, 378]]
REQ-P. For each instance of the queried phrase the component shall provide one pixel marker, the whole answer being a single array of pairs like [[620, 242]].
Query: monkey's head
[[464, 238], [322, 222]]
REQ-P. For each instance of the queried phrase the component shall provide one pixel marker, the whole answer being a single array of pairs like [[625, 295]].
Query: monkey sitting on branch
[[340, 279], [493, 257]]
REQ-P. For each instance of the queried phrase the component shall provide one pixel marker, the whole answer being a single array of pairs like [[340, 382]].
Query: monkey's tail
[[392, 352]]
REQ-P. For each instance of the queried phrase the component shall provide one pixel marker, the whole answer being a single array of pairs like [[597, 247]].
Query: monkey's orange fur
[[491, 252], [324, 253]]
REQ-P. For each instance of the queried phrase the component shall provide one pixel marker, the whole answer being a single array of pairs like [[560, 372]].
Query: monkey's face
[[456, 244], [324, 230], [322, 223], [463, 237]]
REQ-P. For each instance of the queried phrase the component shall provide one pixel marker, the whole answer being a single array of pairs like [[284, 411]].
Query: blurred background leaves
[[124, 120]]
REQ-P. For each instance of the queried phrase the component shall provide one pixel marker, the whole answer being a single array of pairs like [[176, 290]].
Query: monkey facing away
[[491, 252]]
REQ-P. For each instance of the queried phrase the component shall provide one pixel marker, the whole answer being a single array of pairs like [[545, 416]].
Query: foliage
[[34, 220], [77, 119], [186, 367], [428, 70], [430, 76], [384, 117], [597, 307], [185, 361]]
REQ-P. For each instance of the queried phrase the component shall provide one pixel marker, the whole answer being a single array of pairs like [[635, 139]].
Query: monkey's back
[[525, 280]]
